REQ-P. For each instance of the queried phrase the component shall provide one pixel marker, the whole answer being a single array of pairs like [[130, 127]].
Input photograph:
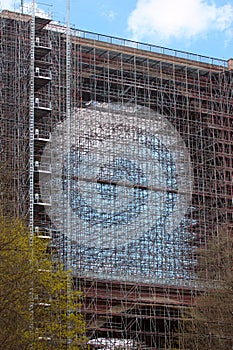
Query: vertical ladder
[[31, 126], [31, 154], [68, 143]]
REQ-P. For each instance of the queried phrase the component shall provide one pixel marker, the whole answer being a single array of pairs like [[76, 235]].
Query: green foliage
[[39, 308], [15, 281]]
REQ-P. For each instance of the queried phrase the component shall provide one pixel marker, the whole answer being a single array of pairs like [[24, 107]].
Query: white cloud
[[105, 11], [15, 5], [109, 15], [9, 4], [178, 19]]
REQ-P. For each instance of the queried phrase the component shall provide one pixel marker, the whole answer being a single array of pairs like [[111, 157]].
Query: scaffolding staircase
[[40, 135], [42, 76]]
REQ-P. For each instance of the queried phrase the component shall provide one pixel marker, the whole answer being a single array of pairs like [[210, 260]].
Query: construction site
[[120, 154]]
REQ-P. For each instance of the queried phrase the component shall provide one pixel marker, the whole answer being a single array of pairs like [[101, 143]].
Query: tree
[[39, 308], [208, 324], [15, 279]]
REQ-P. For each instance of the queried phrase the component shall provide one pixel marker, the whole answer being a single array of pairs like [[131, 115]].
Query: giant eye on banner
[[130, 184]]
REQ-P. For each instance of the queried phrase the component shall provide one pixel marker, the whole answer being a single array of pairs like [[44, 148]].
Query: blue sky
[[200, 26]]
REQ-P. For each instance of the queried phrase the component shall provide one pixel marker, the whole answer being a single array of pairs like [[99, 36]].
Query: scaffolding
[[125, 151]]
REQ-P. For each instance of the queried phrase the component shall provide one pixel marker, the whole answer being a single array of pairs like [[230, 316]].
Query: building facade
[[120, 154]]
